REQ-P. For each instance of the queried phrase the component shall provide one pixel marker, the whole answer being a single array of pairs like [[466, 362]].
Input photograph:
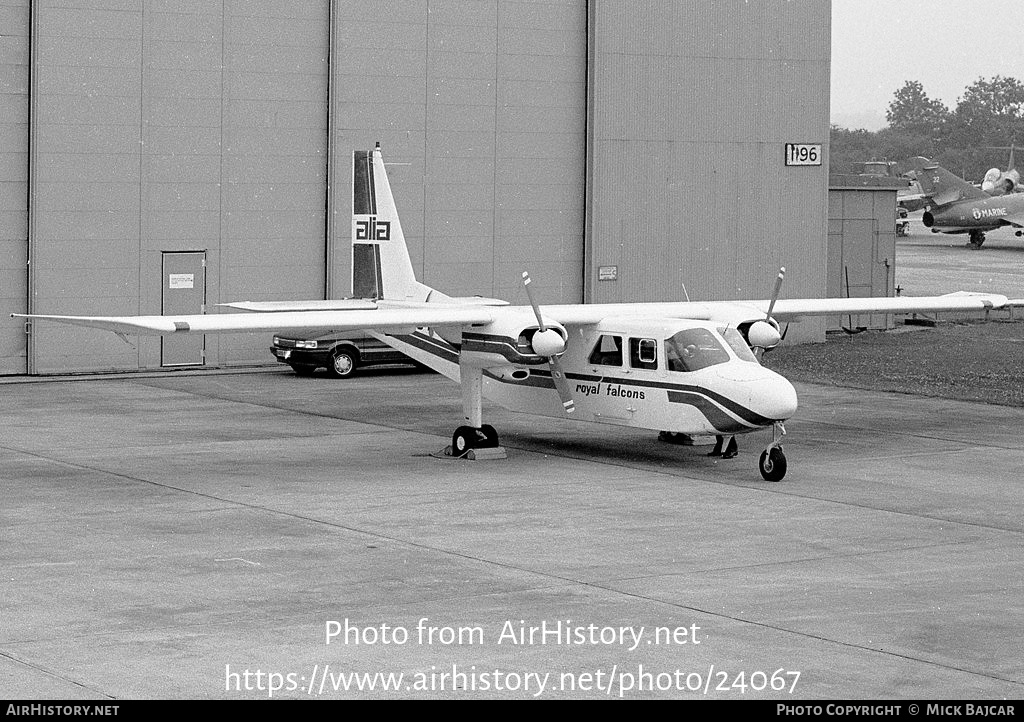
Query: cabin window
[[694, 349], [607, 351], [643, 353]]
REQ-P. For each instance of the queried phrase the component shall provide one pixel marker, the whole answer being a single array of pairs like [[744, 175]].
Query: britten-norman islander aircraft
[[681, 368]]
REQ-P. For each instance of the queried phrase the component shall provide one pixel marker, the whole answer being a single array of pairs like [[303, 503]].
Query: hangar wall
[[14, 50], [171, 132], [480, 110], [691, 106], [171, 127]]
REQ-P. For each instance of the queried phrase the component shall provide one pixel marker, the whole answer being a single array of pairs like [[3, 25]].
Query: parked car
[[902, 222], [341, 356]]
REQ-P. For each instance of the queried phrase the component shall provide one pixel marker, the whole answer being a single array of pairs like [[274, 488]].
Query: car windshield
[[694, 349]]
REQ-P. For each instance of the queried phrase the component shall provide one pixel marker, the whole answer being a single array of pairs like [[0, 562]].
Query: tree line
[[968, 140]]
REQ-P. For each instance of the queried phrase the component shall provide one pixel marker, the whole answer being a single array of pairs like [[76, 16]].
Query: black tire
[[772, 464], [464, 440], [343, 363], [303, 370], [490, 439]]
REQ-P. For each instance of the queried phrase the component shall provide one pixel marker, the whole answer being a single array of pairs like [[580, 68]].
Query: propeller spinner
[[549, 342]]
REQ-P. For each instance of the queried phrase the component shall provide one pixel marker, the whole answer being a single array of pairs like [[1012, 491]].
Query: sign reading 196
[[803, 154]]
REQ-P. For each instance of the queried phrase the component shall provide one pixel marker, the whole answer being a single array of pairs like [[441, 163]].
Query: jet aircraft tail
[[381, 267], [942, 186]]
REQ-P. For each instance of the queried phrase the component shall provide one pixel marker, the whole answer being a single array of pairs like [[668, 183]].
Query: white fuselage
[[731, 396]]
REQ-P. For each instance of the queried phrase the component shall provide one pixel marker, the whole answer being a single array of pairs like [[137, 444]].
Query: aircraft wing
[[448, 315], [1015, 219], [734, 312], [274, 321], [794, 308]]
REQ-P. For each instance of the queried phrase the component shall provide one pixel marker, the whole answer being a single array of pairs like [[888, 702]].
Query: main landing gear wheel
[[467, 438], [773, 464], [977, 238]]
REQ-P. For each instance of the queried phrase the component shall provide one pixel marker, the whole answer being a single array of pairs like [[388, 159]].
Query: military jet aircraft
[[684, 367], [1000, 182], [956, 206]]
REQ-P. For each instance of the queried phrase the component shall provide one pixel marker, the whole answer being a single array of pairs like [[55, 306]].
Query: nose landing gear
[[772, 464]]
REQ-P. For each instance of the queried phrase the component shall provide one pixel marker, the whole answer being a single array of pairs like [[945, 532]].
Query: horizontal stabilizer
[[341, 304]]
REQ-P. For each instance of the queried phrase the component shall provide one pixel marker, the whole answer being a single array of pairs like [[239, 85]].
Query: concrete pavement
[[195, 535]]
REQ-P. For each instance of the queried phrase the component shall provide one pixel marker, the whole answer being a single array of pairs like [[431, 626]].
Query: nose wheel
[[772, 464]]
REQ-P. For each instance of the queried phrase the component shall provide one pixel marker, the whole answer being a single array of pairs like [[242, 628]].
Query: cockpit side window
[[738, 344], [694, 349], [643, 353], [607, 351]]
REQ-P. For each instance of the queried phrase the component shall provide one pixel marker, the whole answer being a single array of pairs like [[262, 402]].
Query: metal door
[[184, 292]]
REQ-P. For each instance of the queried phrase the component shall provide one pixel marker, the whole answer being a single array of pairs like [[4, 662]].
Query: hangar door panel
[[184, 292]]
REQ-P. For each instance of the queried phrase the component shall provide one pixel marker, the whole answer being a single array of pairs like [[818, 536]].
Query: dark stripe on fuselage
[[677, 393], [713, 412], [503, 346], [709, 403]]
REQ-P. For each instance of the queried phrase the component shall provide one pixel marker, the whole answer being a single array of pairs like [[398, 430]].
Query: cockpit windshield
[[738, 344], [694, 349]]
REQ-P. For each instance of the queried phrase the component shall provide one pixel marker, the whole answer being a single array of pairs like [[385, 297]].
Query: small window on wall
[[643, 353], [607, 351]]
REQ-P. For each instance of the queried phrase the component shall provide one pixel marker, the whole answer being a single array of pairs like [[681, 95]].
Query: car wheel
[[343, 363], [303, 370]]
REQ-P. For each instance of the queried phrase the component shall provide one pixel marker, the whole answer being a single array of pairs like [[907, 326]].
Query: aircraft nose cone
[[763, 391], [783, 399]]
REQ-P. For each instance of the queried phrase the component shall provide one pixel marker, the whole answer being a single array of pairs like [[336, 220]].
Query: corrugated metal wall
[[509, 126], [691, 105], [180, 125], [480, 110], [14, 79], [861, 251]]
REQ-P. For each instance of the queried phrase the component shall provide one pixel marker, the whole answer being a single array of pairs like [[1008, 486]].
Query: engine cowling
[[515, 339], [763, 334]]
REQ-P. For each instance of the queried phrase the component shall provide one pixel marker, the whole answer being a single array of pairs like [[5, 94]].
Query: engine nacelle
[[763, 333], [515, 339]]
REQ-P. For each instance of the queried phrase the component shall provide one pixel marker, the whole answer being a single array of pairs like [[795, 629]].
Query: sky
[[878, 45]]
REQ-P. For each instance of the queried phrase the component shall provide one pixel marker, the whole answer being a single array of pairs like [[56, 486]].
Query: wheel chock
[[482, 454]]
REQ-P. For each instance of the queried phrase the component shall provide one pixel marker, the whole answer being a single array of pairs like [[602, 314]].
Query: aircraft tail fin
[[381, 267], [942, 186]]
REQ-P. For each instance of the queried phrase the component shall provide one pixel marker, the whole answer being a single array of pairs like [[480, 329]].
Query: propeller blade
[[557, 375], [775, 292], [562, 385], [533, 301]]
